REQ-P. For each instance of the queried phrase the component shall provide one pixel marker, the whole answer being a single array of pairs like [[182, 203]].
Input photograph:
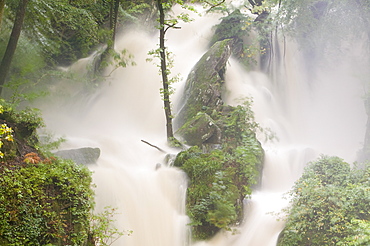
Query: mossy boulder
[[225, 158], [201, 129], [235, 26], [204, 84], [219, 181]]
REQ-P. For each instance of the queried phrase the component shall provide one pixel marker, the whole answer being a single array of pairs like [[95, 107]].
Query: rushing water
[[324, 115]]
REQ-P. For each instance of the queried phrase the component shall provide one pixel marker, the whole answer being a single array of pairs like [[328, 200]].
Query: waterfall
[[324, 116]]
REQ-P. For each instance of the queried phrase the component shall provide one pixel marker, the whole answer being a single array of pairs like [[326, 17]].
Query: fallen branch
[[153, 146]]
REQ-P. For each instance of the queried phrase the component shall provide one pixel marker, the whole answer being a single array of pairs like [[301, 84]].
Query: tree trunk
[[166, 93], [12, 44], [2, 5], [113, 22], [113, 16]]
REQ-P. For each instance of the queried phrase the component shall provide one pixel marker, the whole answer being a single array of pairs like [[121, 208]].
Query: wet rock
[[204, 84], [200, 129], [83, 156]]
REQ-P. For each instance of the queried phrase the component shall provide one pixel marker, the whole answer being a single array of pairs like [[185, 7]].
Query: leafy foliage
[[236, 26], [64, 31], [5, 133], [45, 202], [219, 181], [26, 68], [26, 121], [221, 178], [102, 229], [330, 205], [323, 26]]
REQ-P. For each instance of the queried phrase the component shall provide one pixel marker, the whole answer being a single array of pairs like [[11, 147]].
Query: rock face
[[203, 94], [83, 156]]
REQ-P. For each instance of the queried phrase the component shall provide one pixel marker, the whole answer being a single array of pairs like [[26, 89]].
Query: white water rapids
[[325, 116]]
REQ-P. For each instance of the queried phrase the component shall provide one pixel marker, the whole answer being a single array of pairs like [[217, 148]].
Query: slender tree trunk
[[113, 21], [12, 44], [166, 94], [113, 17], [110, 41], [2, 5]]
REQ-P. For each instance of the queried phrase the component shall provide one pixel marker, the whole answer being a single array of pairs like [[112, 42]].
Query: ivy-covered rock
[[226, 157], [238, 27], [219, 182]]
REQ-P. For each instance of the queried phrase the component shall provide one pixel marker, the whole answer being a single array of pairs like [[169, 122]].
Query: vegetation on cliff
[[44, 200]]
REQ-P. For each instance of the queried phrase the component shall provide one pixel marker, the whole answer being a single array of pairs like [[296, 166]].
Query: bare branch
[[153, 146], [252, 3]]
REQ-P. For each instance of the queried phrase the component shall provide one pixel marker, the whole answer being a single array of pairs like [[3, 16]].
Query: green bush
[[219, 181], [221, 176], [23, 123], [45, 202], [330, 205]]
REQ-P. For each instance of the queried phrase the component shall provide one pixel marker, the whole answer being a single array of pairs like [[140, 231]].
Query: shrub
[[45, 202], [330, 205], [219, 181]]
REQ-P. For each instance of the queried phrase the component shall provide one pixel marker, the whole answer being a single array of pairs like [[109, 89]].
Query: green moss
[[200, 129]]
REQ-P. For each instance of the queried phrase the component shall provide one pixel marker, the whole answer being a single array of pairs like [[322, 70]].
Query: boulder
[[204, 84], [199, 130], [83, 156]]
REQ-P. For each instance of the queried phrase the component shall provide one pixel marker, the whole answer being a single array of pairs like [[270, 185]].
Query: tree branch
[[214, 6], [161, 150], [171, 26], [252, 3]]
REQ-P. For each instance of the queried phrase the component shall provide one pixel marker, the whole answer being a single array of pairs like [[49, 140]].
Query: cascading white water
[[126, 110], [326, 117]]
